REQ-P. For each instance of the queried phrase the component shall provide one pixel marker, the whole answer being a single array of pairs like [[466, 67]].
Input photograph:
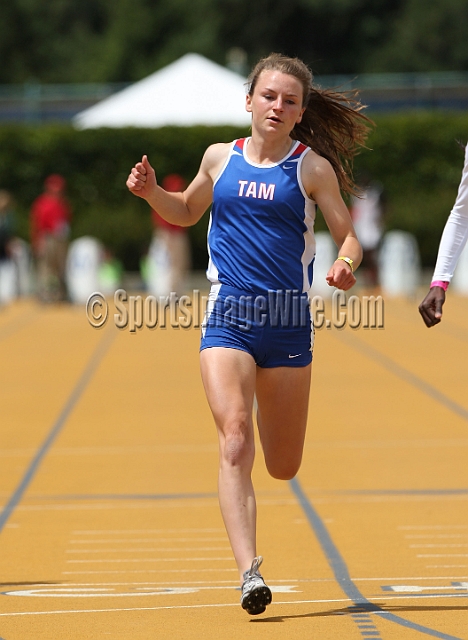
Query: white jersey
[[455, 232]]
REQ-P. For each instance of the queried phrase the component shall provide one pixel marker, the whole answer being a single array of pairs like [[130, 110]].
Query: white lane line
[[183, 448], [213, 447], [138, 592], [432, 527], [407, 578], [442, 555], [9, 453], [400, 588], [154, 550], [435, 536], [128, 504], [274, 604], [118, 560], [446, 566], [138, 531], [384, 444], [378, 499], [312, 580], [211, 584], [461, 584], [80, 451], [164, 583], [140, 540], [437, 546], [147, 571]]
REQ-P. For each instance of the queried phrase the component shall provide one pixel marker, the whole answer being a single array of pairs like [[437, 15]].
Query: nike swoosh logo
[[296, 356], [288, 167]]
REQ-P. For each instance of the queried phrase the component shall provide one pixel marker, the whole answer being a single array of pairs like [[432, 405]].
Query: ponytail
[[333, 124]]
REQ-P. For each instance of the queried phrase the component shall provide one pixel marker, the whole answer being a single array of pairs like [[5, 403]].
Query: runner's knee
[[282, 467], [237, 446]]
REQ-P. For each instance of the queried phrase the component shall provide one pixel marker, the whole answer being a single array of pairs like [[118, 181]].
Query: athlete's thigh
[[283, 402], [228, 376]]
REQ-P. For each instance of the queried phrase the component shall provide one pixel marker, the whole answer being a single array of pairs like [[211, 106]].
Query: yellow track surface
[[110, 526]]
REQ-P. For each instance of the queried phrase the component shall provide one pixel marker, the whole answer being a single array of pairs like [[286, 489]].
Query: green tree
[[425, 36], [332, 36], [101, 40], [124, 41], [48, 41]]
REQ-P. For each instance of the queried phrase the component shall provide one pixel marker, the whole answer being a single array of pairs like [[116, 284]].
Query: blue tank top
[[261, 230]]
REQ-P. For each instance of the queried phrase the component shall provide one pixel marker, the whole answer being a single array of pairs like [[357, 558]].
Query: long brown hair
[[332, 124]]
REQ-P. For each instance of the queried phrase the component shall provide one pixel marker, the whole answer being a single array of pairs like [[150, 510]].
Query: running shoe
[[256, 596]]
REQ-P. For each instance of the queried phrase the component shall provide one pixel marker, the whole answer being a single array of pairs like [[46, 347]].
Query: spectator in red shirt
[[50, 225]]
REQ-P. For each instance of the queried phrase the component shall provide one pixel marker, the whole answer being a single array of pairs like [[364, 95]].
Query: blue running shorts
[[274, 327]]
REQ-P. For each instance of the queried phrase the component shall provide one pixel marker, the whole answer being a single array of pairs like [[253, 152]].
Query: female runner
[[256, 337]]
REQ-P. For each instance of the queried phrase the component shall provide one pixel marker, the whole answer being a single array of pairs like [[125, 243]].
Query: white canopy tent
[[190, 91]]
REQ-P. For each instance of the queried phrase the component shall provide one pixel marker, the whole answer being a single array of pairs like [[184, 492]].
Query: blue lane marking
[[364, 627], [58, 426], [341, 573], [364, 623], [406, 375]]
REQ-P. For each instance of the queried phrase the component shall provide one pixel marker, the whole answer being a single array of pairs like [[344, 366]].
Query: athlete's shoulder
[[316, 163], [217, 151], [214, 158], [317, 171]]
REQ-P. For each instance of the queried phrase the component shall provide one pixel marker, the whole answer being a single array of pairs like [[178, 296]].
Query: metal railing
[[34, 102], [38, 103]]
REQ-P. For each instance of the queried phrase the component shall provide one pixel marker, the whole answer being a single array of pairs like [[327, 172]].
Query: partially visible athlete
[[265, 190], [452, 243]]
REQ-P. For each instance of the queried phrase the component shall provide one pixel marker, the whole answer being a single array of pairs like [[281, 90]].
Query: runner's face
[[276, 103]]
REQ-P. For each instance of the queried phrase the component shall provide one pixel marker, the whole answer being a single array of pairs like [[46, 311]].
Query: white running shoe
[[256, 596]]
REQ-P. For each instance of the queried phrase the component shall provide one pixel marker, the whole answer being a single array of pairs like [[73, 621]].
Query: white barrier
[[399, 264], [84, 258], [8, 281], [158, 275], [21, 256]]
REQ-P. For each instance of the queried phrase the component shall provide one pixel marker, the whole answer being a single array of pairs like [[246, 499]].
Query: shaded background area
[[408, 60], [415, 156], [118, 41]]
